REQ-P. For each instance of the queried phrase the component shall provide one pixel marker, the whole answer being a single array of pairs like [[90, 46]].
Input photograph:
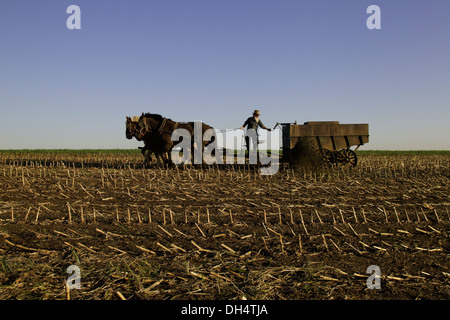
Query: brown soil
[[223, 233]]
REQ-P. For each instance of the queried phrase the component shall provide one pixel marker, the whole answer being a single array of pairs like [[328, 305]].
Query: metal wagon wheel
[[346, 156], [328, 156]]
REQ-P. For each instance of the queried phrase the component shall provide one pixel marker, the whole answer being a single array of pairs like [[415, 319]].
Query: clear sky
[[216, 61]]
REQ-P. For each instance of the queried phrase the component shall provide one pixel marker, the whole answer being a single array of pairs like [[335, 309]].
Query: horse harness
[[161, 128]]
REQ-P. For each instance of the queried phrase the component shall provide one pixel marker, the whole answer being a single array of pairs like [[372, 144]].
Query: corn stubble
[[222, 233]]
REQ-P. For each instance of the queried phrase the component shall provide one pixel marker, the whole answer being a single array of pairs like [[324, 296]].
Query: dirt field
[[229, 233]]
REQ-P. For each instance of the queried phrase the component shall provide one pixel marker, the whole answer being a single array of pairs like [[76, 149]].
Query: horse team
[[157, 131]]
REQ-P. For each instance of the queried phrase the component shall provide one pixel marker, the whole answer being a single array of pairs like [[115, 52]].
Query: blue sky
[[216, 61]]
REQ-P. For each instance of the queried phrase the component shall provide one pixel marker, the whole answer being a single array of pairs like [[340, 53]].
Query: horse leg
[[168, 153], [168, 159], [142, 151], [148, 156], [159, 159]]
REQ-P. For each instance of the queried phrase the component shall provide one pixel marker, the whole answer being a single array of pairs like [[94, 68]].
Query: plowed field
[[222, 233]]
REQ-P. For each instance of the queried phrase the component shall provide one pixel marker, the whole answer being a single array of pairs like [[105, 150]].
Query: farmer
[[253, 123]]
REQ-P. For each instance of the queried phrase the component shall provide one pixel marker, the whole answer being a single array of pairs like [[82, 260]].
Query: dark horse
[[133, 130], [158, 130]]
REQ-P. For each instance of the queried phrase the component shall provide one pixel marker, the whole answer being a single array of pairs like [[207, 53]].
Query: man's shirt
[[252, 123]]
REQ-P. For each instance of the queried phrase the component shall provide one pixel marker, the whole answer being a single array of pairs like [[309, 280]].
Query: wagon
[[329, 139]]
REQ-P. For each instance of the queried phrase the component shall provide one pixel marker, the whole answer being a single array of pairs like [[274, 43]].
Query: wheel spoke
[[328, 156], [346, 156]]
